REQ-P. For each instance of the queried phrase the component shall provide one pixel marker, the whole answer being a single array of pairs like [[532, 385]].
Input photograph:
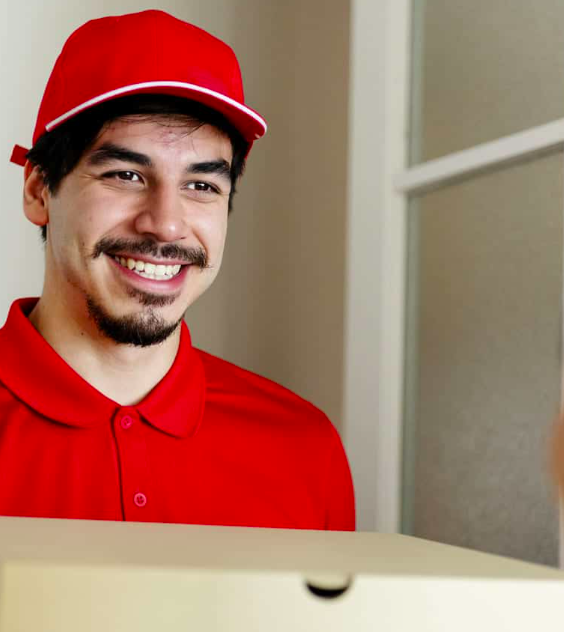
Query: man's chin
[[152, 300], [139, 329]]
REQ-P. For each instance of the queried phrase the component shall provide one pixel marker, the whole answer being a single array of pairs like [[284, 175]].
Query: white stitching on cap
[[155, 84]]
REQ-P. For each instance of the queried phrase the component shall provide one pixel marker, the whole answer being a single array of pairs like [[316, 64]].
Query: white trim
[[521, 145], [156, 84], [393, 259], [376, 259]]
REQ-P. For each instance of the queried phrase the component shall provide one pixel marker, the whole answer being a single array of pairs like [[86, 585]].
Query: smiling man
[[106, 409]]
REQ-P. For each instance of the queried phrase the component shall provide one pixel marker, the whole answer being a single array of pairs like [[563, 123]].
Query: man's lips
[[151, 285]]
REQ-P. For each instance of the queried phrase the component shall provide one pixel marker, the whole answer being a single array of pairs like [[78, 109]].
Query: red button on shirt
[[140, 500], [211, 444], [126, 422]]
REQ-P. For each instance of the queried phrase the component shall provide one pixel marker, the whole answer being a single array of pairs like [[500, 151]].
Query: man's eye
[[201, 187], [125, 176]]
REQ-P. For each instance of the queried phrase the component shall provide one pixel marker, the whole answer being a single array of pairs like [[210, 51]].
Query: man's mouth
[[152, 271]]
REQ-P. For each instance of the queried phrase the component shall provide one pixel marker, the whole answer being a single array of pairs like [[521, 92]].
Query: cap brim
[[248, 122]]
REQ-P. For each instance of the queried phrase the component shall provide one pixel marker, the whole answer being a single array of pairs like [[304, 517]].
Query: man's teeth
[[149, 270]]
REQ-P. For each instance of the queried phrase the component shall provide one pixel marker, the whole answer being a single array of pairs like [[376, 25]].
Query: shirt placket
[[138, 501]]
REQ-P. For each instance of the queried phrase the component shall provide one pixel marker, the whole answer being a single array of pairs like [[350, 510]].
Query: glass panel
[[484, 69], [483, 366]]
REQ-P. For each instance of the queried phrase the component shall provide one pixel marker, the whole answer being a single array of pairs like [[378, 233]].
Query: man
[[106, 409]]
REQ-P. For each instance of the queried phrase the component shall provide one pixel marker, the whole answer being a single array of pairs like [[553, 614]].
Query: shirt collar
[[33, 371]]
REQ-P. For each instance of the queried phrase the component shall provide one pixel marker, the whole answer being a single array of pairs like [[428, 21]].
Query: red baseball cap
[[150, 52]]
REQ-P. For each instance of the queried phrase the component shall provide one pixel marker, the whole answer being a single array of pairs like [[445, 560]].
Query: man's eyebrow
[[218, 167], [109, 152]]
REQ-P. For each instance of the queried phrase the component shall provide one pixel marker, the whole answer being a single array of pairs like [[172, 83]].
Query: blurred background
[[426, 325]]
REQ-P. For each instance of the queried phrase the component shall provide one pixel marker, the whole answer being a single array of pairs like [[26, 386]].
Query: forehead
[[166, 135]]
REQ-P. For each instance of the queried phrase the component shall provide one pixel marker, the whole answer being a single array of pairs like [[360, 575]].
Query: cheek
[[220, 237], [212, 233], [94, 217], [97, 214], [77, 225]]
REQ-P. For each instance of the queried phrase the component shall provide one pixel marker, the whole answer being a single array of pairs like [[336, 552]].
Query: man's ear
[[35, 196]]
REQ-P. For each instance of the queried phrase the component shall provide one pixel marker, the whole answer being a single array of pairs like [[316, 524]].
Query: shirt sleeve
[[339, 490]]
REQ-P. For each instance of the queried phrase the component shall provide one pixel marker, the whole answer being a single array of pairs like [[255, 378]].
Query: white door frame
[[374, 327], [379, 185]]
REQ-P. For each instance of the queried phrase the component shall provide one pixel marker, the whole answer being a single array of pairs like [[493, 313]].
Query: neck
[[123, 373]]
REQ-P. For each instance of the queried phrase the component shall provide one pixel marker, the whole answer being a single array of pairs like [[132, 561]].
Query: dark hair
[[57, 153]]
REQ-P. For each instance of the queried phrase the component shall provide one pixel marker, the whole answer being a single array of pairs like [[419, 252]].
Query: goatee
[[139, 330]]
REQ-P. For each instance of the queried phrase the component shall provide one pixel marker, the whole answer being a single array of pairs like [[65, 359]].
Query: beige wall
[[277, 307]]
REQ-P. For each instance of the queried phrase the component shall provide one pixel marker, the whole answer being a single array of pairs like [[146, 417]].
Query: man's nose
[[162, 214]]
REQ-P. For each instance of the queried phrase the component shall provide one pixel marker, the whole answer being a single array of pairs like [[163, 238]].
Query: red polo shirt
[[211, 444]]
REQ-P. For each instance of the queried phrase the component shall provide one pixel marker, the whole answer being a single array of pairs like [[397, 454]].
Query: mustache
[[194, 256]]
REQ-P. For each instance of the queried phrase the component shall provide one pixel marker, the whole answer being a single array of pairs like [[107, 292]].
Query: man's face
[[137, 229]]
